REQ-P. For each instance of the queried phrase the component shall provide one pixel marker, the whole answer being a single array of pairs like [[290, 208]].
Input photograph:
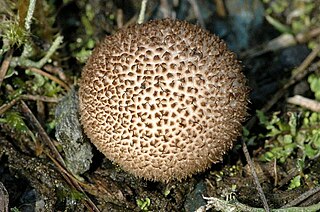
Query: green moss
[[295, 182], [15, 121], [293, 16], [314, 81], [143, 204], [287, 135], [13, 33]]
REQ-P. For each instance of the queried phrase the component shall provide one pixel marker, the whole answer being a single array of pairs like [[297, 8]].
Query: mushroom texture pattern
[[163, 100]]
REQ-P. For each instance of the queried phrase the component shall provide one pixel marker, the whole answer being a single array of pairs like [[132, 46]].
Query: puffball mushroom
[[163, 99]]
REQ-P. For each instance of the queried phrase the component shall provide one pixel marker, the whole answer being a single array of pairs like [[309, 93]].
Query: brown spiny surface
[[164, 99]]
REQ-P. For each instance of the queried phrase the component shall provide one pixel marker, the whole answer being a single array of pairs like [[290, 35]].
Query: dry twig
[[41, 132], [221, 10], [302, 197], [119, 18], [4, 198], [301, 72], [296, 76], [306, 36], [57, 159], [280, 42], [8, 105], [75, 183], [5, 65], [165, 8], [142, 11], [235, 206], [53, 78], [55, 71], [196, 10], [307, 103], [311, 200], [255, 177]]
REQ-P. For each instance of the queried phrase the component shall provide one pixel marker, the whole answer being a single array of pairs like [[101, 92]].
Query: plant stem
[[142, 11]]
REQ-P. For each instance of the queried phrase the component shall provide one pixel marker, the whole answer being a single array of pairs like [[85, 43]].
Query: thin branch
[[40, 98], [7, 106], [55, 71], [142, 11], [299, 75], [165, 8], [27, 22], [5, 65], [221, 9], [283, 41], [24, 61], [294, 172], [4, 198], [311, 200], [306, 62], [75, 183], [255, 177], [236, 206], [306, 36], [27, 49], [302, 197], [58, 160], [53, 78], [275, 172], [119, 18], [197, 12], [307, 103], [55, 45], [43, 136]]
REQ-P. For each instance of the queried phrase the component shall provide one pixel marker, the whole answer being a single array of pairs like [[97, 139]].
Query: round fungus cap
[[163, 100]]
